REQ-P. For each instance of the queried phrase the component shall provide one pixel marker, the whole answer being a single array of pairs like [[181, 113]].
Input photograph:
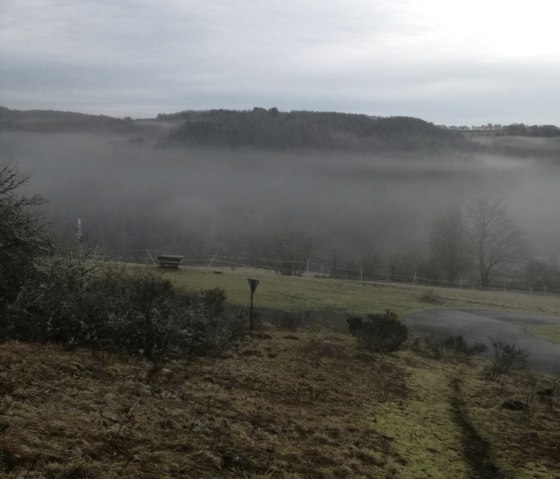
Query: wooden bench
[[170, 261]]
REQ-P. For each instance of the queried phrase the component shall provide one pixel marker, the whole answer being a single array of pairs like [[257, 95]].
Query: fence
[[304, 269]]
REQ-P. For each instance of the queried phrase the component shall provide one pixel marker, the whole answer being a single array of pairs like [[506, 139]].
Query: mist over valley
[[201, 182]]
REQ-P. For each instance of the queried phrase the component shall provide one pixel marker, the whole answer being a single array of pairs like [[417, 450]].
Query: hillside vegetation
[[257, 128], [61, 121], [271, 129]]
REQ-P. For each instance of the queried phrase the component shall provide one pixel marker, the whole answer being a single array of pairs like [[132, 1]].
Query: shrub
[[355, 324], [452, 347], [459, 345], [382, 333], [22, 236], [220, 331], [507, 358], [428, 347], [115, 308], [213, 300], [293, 320], [430, 297]]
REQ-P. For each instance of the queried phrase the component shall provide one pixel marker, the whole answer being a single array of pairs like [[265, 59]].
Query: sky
[[448, 62]]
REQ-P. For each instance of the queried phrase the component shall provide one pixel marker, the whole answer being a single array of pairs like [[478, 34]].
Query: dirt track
[[480, 326]]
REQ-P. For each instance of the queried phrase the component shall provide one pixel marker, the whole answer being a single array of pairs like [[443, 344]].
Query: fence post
[[213, 258], [150, 256]]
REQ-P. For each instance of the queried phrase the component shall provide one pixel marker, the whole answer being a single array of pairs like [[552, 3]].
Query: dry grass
[[276, 407], [527, 442], [304, 404]]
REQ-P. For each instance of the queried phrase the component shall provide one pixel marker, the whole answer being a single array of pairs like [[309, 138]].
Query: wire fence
[[306, 269]]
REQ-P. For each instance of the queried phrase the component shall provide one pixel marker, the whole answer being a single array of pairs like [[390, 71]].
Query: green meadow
[[331, 299]]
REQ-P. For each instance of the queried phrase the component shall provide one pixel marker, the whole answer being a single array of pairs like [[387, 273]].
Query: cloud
[[142, 57]]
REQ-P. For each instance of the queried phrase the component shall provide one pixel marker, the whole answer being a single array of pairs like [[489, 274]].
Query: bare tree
[[448, 243], [495, 241]]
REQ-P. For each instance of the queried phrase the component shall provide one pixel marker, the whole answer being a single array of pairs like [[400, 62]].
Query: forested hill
[[61, 121], [271, 129], [275, 130]]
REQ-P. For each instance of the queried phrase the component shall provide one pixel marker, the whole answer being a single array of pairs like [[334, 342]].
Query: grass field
[[331, 300], [550, 333]]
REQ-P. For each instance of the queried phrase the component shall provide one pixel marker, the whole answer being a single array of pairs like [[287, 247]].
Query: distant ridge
[[60, 121], [272, 129]]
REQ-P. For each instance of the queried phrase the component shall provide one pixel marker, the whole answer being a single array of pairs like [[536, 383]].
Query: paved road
[[479, 326]]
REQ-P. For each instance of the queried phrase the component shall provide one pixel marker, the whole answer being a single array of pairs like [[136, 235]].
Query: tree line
[[472, 243], [515, 129], [63, 121], [272, 129], [520, 129]]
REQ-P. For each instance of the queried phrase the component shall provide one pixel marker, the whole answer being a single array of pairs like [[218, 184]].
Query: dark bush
[[507, 358], [214, 300], [382, 333], [22, 236], [453, 347], [428, 347], [430, 297], [355, 324], [77, 302], [459, 345]]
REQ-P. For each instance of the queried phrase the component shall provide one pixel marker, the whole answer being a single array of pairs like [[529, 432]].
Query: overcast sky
[[468, 62]]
